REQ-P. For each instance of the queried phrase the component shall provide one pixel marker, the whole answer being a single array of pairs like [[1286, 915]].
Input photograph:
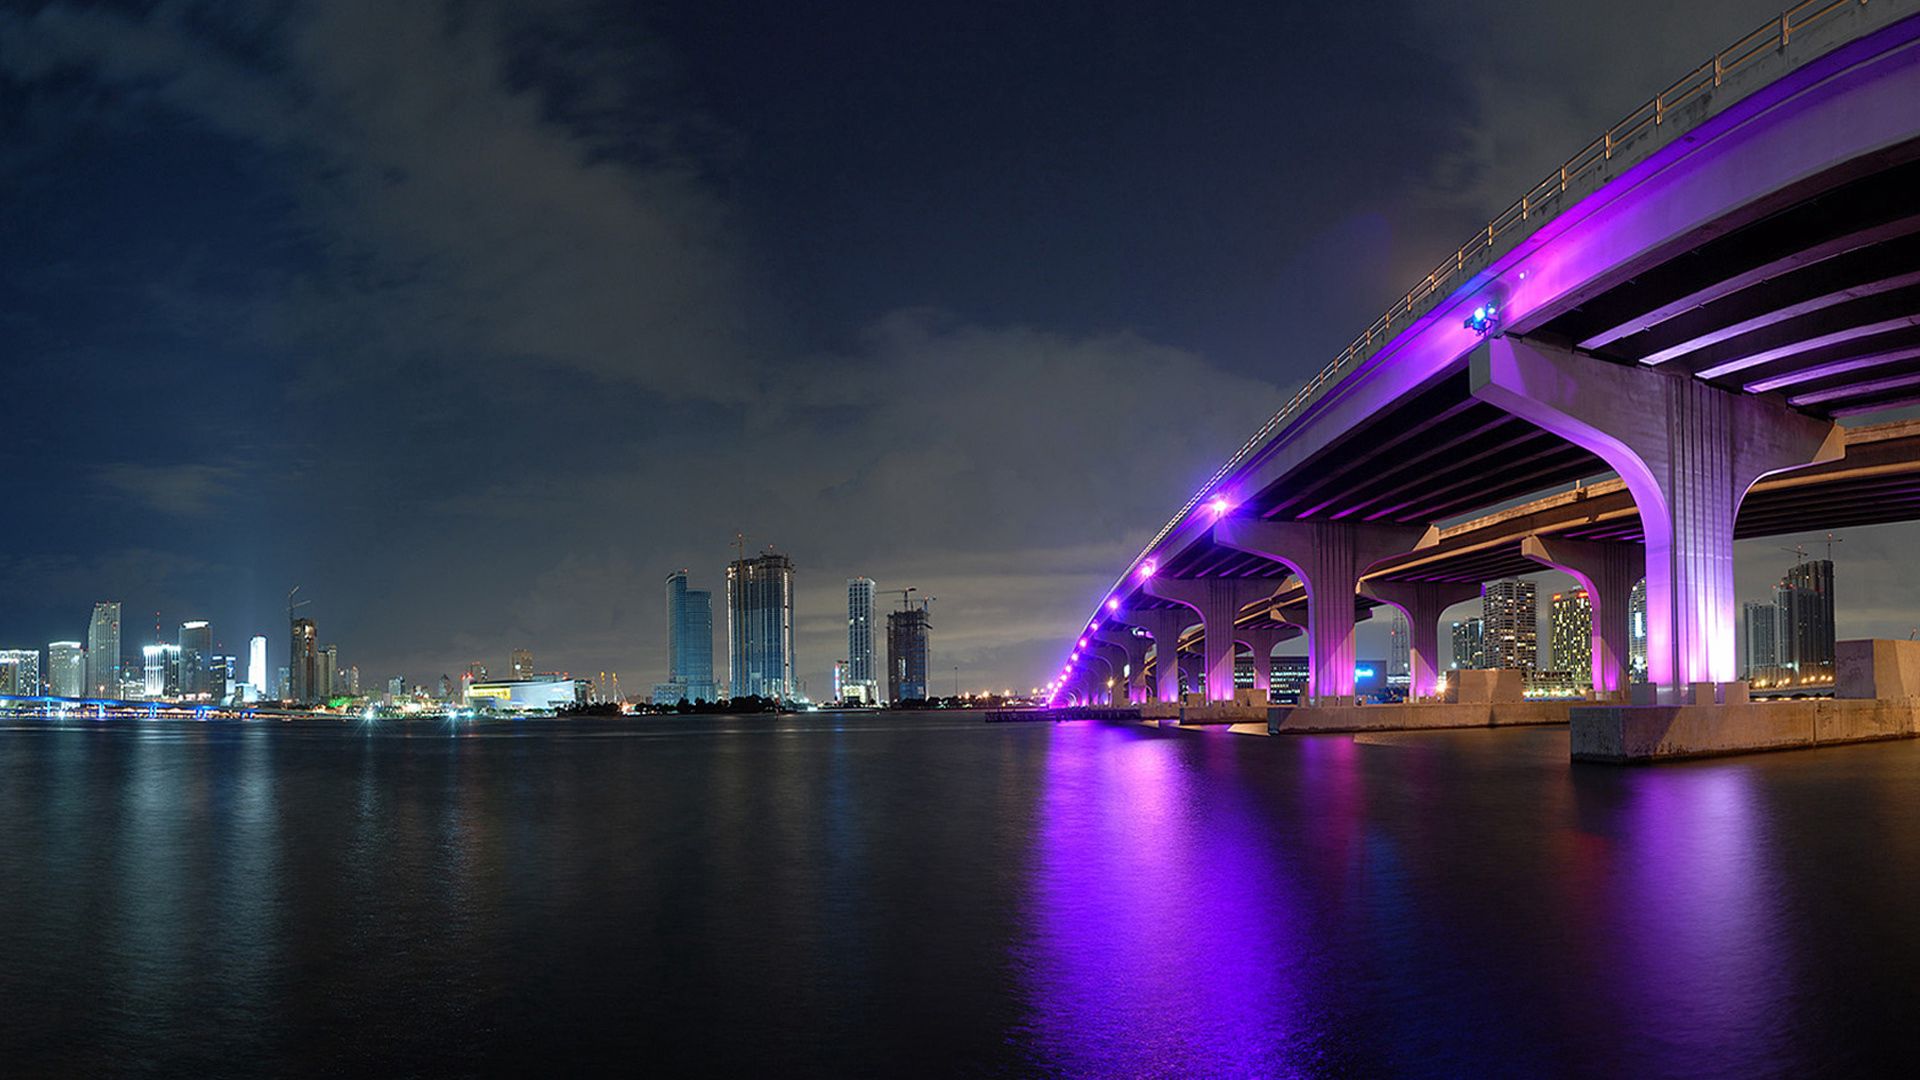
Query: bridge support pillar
[[1114, 687], [1163, 626], [1422, 602], [1688, 452], [1218, 602], [1260, 641], [1608, 571], [1328, 557], [1135, 650]]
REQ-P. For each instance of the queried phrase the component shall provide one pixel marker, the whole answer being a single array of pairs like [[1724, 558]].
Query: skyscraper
[[760, 627], [161, 663], [103, 650], [1637, 632], [20, 672], [1399, 646], [689, 642], [303, 663], [1570, 635], [521, 663], [257, 665], [1510, 613], [1759, 639], [909, 650], [196, 651], [328, 671], [1469, 645], [1805, 620], [858, 679], [67, 669]]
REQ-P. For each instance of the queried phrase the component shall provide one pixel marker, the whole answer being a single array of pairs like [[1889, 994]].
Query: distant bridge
[[1688, 304]]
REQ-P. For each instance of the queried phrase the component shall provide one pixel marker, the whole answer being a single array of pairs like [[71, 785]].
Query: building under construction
[[908, 653]]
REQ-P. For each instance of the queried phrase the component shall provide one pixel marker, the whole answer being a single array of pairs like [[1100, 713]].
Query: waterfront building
[[858, 681], [103, 650], [689, 643], [1570, 636], [220, 678], [196, 650], [540, 693], [303, 663], [327, 671], [909, 652], [1637, 632], [257, 666], [20, 672], [520, 665], [1804, 623], [1399, 646], [161, 666], [66, 669], [1469, 645], [1759, 639], [760, 657], [1510, 624]]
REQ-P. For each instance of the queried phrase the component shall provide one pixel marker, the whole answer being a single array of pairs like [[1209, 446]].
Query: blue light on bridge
[[1484, 318]]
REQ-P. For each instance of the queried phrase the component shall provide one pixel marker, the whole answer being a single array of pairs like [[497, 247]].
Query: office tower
[[257, 665], [859, 681], [1637, 632], [1570, 635], [760, 627], [1469, 645], [303, 663], [20, 672], [353, 681], [161, 665], [689, 643], [103, 650], [1759, 638], [1804, 624], [521, 664], [327, 676], [67, 669], [908, 654], [220, 679], [1510, 624], [282, 684], [1399, 646], [196, 650]]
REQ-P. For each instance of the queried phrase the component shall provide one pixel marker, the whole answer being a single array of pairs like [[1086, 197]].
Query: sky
[[475, 320]]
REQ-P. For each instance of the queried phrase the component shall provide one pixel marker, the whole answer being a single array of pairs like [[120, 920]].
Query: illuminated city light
[[1113, 603]]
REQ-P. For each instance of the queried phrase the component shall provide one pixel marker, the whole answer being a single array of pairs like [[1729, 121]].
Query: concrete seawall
[[1646, 733], [1407, 716]]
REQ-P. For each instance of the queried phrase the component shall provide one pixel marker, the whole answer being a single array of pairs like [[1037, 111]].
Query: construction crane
[[291, 606], [1799, 551], [906, 601]]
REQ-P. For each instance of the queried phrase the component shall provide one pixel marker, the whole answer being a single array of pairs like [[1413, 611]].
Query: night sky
[[477, 319]]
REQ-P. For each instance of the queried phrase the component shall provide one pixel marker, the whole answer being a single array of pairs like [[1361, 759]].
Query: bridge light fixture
[[1484, 318], [1147, 568], [1113, 603], [1219, 504]]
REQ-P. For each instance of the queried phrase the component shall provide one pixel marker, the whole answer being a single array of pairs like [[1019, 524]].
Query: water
[[914, 895]]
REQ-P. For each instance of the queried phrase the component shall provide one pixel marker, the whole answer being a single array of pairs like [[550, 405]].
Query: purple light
[[1083, 643], [1220, 504], [1147, 568], [1113, 603]]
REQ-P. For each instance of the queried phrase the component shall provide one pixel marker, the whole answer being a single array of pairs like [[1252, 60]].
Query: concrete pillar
[[1135, 648], [1422, 602], [1193, 670], [1115, 659], [1260, 641], [1218, 602], [1164, 626], [1608, 571], [1688, 452], [1329, 557]]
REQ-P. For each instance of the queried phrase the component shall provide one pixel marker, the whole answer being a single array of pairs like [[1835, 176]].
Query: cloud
[[178, 490]]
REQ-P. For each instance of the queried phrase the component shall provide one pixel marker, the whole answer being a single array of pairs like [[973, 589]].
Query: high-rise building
[[196, 651], [161, 663], [909, 650], [1570, 635], [689, 643], [220, 677], [1399, 646], [1805, 620], [328, 671], [760, 627], [257, 666], [1510, 614], [521, 664], [1637, 632], [20, 672], [303, 664], [1759, 638], [1469, 645], [67, 669], [103, 650], [858, 680]]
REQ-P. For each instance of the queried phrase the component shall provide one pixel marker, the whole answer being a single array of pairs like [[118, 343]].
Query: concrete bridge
[[1689, 306]]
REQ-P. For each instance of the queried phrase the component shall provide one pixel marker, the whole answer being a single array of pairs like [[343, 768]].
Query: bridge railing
[[1532, 208]]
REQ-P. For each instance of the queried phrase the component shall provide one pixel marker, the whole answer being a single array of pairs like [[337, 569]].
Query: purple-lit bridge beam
[[1115, 659], [1688, 452], [1608, 571], [1135, 648], [1164, 626], [1422, 602], [1260, 641], [1218, 602], [1328, 557]]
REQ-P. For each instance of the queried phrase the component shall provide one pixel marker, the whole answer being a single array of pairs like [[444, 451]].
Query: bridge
[[1689, 306]]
